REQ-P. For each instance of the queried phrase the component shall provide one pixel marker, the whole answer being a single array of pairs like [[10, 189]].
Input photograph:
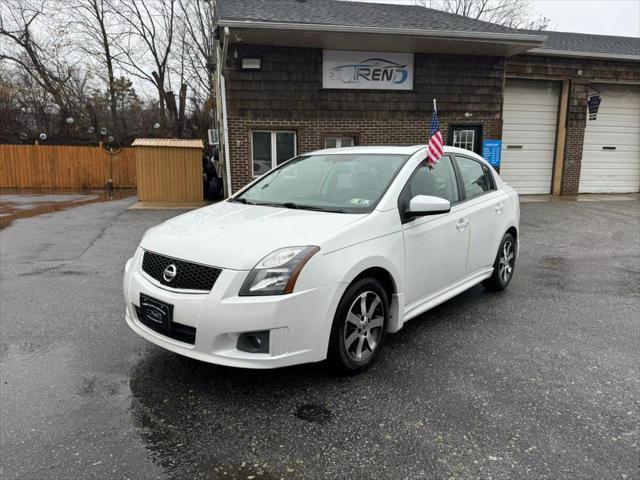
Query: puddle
[[25, 203]]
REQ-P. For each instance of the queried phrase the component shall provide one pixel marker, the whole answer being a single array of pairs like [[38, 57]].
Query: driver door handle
[[462, 224]]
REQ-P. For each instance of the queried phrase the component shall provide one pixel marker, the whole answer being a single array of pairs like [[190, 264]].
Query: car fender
[[344, 265]]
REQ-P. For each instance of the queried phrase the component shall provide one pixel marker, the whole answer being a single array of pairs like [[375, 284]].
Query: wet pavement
[[540, 381], [24, 203]]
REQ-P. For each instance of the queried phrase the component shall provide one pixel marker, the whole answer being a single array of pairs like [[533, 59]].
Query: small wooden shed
[[169, 170]]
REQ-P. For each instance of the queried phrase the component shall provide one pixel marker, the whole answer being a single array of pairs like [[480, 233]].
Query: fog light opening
[[254, 342]]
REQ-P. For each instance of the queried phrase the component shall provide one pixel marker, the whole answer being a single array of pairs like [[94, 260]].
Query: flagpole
[[434, 105]]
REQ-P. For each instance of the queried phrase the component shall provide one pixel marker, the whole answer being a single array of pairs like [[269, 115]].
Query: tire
[[356, 339], [504, 265]]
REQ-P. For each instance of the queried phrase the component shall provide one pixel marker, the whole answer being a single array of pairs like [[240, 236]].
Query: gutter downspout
[[223, 101]]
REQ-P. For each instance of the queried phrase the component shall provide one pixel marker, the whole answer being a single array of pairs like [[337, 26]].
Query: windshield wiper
[[297, 206], [243, 200], [291, 205]]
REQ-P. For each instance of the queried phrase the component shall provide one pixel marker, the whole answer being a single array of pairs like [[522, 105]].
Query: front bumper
[[299, 324]]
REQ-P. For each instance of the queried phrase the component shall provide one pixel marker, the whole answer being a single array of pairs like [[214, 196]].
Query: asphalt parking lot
[[538, 382]]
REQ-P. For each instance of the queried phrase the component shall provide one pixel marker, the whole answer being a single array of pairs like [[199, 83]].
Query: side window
[[475, 177], [269, 149], [439, 181], [490, 180]]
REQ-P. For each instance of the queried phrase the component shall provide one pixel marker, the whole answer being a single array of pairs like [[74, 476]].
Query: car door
[[484, 207], [436, 246]]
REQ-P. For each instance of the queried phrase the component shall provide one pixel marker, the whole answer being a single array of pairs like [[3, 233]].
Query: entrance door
[[611, 152], [529, 134], [468, 137]]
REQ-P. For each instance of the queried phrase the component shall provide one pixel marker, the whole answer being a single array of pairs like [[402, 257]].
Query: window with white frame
[[464, 138], [337, 142], [271, 148]]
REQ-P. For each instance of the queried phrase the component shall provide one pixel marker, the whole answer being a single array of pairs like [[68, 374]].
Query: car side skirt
[[444, 294]]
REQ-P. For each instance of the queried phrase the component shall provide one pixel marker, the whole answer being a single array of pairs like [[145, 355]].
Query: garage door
[[529, 134], [611, 152]]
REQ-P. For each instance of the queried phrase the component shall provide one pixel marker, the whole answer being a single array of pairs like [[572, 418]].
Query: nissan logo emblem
[[169, 273]]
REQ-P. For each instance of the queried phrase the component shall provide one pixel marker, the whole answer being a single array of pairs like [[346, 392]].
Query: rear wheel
[[504, 265], [359, 326]]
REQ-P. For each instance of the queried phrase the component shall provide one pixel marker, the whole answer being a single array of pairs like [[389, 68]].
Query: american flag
[[435, 140]]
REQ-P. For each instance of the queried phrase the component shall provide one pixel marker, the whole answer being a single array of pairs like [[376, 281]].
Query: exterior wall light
[[251, 63], [580, 72]]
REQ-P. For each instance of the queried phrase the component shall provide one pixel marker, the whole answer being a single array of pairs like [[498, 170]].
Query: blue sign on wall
[[491, 151]]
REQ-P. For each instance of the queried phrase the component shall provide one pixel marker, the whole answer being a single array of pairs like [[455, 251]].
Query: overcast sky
[[605, 17]]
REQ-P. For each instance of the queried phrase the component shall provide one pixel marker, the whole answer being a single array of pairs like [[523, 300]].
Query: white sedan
[[322, 257]]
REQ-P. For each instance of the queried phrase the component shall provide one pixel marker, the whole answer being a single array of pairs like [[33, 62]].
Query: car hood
[[237, 236]]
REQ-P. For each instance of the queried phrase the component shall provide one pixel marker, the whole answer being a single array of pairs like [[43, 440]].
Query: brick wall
[[593, 71], [287, 94], [312, 132]]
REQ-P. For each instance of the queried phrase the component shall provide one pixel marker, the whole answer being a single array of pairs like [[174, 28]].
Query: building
[[301, 75]]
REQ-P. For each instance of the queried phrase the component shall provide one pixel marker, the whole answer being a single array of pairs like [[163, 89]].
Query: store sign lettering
[[367, 70]]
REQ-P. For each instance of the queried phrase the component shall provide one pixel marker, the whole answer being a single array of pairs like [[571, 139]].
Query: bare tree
[[10, 106], [150, 34], [199, 20], [92, 19], [39, 56], [57, 56], [509, 13]]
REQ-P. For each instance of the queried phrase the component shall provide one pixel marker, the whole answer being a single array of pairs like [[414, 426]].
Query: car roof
[[389, 150]]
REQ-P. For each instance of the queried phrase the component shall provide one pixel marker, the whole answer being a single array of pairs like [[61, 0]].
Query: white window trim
[[464, 143], [338, 140], [274, 154]]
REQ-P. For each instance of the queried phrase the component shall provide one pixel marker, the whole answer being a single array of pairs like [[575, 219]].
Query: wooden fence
[[53, 166]]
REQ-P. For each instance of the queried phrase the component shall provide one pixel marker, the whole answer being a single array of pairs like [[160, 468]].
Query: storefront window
[[270, 148]]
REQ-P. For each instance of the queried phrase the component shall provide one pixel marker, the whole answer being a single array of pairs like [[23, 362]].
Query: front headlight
[[276, 274]]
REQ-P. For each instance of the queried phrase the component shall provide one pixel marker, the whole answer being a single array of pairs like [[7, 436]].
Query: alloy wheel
[[363, 326], [506, 262]]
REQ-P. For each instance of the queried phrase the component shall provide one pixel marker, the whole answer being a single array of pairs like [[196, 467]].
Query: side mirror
[[422, 205]]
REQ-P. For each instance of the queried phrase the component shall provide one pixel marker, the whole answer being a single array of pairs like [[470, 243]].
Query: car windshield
[[346, 183]]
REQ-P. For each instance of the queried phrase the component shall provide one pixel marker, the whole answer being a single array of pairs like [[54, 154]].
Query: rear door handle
[[498, 208], [462, 224]]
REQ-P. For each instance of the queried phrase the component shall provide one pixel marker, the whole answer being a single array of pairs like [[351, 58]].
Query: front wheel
[[504, 265], [359, 326]]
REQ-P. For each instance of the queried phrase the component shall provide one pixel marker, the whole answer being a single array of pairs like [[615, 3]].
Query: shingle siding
[[290, 85]]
